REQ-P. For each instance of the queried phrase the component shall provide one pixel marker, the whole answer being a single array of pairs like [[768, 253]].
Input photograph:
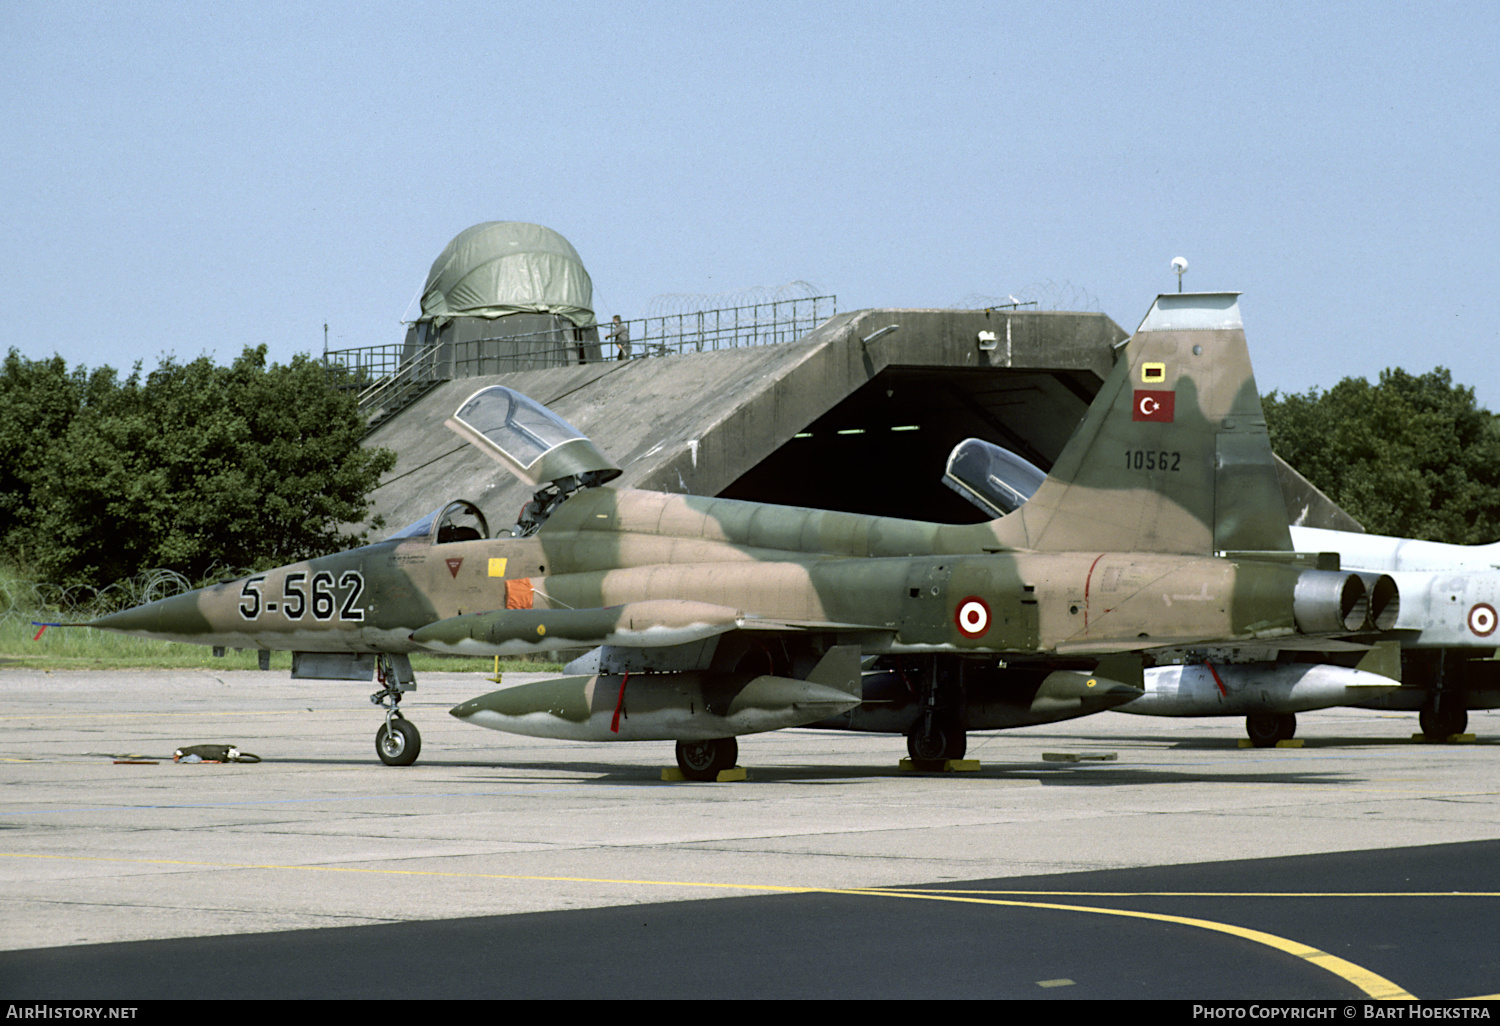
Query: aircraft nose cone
[[179, 614], [1082, 692], [452, 631]]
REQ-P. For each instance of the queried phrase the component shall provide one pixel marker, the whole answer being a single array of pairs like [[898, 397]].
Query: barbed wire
[[1049, 294], [670, 304], [22, 599]]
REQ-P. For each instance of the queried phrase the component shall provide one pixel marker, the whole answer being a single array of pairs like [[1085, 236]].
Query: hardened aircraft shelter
[[789, 403]]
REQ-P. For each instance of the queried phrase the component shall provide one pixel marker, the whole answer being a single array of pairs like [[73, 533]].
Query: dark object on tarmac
[[214, 753]]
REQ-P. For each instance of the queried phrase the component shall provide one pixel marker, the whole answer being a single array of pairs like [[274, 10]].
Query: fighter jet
[[1265, 686], [1447, 623], [1443, 626], [714, 618]]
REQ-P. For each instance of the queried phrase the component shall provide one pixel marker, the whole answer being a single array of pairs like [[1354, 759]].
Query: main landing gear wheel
[[397, 742], [937, 742], [1441, 723], [705, 760], [1265, 729]]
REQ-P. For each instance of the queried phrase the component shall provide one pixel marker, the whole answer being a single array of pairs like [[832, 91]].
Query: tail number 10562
[[1152, 459]]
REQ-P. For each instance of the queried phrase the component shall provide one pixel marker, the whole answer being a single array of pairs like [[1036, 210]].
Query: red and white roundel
[[1482, 619], [973, 617]]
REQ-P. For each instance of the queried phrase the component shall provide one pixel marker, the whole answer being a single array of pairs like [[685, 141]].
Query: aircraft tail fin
[[1173, 455]]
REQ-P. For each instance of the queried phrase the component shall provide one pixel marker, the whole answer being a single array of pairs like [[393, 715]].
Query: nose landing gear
[[397, 742]]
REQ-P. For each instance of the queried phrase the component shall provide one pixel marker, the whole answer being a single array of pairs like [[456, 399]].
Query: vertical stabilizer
[[1173, 455]]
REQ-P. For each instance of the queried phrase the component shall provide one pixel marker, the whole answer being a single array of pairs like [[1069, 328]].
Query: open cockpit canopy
[[995, 480], [528, 439]]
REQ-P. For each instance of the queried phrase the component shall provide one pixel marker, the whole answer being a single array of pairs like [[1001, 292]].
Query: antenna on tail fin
[[1173, 454]]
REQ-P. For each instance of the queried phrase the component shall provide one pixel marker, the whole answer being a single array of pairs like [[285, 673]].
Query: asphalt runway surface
[[1362, 865]]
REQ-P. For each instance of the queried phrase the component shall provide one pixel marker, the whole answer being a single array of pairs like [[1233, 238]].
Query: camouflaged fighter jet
[[714, 618], [1265, 686], [1438, 658]]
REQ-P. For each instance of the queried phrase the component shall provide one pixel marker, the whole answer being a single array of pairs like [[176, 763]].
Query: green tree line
[[1410, 455], [194, 467]]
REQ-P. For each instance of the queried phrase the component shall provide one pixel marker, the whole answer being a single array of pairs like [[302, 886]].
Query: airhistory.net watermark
[[45, 1011]]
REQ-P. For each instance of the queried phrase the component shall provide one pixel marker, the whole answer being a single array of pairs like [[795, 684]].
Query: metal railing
[[734, 327], [389, 375], [367, 363]]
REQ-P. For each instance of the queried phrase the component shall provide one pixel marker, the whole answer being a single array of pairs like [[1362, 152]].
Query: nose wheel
[[398, 742]]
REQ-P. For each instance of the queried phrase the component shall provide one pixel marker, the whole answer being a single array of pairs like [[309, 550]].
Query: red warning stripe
[[614, 724]]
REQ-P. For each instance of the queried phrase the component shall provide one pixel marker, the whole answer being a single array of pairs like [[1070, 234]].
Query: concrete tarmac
[[96, 848]]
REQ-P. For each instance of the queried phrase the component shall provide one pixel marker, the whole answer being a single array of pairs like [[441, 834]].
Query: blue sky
[[199, 177]]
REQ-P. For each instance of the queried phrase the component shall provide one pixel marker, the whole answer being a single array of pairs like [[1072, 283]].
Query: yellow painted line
[[1371, 983]]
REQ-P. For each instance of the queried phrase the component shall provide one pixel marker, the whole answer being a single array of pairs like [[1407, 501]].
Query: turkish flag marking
[[1154, 406]]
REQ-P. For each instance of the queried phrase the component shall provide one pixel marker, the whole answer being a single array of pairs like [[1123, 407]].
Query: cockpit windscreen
[[520, 427]]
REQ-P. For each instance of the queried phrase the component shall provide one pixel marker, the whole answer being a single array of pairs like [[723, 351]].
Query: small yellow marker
[[673, 775], [940, 766], [1451, 739], [497, 567]]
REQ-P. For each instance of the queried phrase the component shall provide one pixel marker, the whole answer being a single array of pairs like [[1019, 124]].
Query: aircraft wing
[[653, 623]]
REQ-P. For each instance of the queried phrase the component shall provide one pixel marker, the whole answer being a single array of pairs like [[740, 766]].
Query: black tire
[[1432, 730], [399, 746], [939, 742], [705, 760], [1265, 729], [1442, 723]]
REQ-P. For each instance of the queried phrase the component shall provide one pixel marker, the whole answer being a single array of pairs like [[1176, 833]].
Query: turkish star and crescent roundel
[[973, 617], [1153, 405]]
